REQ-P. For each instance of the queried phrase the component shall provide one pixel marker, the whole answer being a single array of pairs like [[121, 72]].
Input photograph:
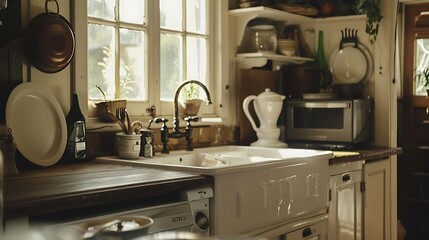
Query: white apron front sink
[[255, 187]]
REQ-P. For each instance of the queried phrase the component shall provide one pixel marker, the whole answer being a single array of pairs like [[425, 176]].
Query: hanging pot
[[50, 41]]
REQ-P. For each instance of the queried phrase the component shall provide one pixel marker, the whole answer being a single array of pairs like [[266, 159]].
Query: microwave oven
[[328, 124]]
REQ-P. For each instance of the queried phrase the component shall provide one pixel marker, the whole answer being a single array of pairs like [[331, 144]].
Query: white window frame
[[218, 73]]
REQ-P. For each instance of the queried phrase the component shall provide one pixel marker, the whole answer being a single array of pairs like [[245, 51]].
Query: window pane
[[171, 14], [422, 62], [171, 65], [101, 61], [132, 65], [196, 16], [132, 11], [196, 58], [101, 9]]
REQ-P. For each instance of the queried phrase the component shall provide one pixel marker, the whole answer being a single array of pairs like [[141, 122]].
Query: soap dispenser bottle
[[148, 152]]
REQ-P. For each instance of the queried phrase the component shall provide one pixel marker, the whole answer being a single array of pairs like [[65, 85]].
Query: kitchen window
[[141, 50]]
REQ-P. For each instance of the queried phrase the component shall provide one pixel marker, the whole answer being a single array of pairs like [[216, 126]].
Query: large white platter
[[38, 124], [351, 64]]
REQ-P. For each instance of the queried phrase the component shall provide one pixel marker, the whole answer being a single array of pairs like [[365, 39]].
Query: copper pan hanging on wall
[[50, 41]]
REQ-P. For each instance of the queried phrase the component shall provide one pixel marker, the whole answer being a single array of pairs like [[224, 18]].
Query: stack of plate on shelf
[[287, 47]]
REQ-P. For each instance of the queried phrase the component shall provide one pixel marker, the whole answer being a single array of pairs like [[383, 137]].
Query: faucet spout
[[176, 132]]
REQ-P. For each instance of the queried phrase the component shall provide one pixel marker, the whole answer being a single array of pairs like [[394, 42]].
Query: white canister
[[128, 145]]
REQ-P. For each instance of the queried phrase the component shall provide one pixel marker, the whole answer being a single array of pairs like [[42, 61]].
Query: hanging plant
[[423, 80], [373, 18]]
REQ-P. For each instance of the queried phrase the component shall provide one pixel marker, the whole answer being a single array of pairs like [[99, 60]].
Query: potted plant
[[190, 103], [108, 106], [373, 18], [425, 80]]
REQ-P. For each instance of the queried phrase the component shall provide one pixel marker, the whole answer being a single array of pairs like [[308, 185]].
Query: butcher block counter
[[89, 185]]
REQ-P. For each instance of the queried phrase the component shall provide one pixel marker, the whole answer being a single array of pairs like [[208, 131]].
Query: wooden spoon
[[113, 118]]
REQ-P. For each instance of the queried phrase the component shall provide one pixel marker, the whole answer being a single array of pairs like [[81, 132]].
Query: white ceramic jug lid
[[269, 95]]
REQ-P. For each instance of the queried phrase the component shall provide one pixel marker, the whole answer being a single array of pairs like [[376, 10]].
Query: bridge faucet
[[176, 131]]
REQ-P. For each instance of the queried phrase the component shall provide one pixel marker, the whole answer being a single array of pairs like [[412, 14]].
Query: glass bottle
[[323, 63], [265, 38], [76, 133]]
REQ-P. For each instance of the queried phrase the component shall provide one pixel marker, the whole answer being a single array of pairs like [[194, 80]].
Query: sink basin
[[223, 159]]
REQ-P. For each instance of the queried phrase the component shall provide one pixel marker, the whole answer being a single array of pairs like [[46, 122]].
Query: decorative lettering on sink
[[279, 193], [290, 181], [265, 186], [312, 190]]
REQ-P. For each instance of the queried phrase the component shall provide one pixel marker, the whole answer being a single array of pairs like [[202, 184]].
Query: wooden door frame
[[414, 106]]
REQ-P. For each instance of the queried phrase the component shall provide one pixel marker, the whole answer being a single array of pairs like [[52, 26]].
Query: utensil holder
[[8, 150], [128, 146]]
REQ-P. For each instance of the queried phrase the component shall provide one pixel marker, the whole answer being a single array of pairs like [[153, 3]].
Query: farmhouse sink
[[254, 187], [217, 160]]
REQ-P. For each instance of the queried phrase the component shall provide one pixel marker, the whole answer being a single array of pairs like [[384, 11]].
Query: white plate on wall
[[351, 64], [38, 123]]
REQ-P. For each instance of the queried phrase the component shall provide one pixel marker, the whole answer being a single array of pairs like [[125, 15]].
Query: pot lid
[[269, 95]]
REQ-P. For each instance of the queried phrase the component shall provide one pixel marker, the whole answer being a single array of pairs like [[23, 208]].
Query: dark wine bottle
[[326, 79], [76, 133]]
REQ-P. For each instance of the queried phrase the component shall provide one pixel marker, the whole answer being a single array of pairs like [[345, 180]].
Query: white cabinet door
[[377, 200], [345, 207]]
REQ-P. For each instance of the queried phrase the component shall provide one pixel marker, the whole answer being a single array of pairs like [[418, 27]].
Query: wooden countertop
[[367, 154], [66, 187]]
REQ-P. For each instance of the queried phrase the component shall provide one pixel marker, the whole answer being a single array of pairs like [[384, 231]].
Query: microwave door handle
[[322, 105]]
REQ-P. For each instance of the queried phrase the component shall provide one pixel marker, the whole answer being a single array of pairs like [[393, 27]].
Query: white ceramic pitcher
[[268, 106]]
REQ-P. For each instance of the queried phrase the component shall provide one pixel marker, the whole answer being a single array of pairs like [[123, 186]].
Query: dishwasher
[[191, 214]]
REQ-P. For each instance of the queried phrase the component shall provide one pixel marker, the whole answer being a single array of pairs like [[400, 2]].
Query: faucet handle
[[157, 120], [160, 120], [188, 132], [150, 123], [164, 134], [191, 119]]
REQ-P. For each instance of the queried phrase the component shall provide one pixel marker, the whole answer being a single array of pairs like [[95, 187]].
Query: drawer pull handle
[[306, 232], [346, 177]]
